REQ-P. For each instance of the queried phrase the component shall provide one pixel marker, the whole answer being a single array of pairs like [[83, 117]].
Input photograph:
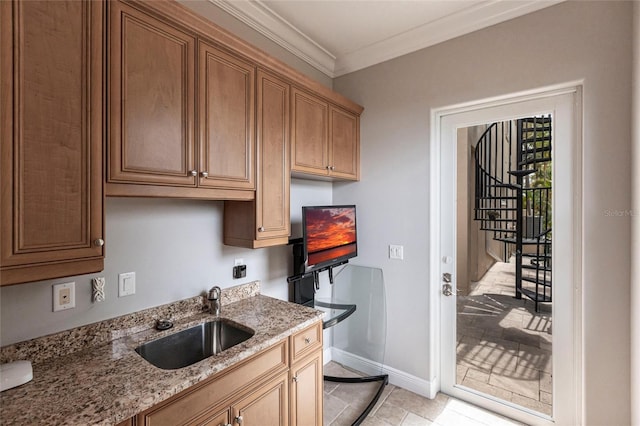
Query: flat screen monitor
[[329, 235]]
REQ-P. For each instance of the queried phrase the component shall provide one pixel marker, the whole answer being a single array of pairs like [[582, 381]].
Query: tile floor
[[504, 346], [504, 349], [343, 403]]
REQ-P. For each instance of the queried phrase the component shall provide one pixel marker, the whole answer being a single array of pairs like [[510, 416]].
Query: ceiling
[[339, 37]]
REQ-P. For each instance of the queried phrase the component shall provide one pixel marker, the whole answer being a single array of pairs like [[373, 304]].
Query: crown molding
[[261, 18], [268, 23], [457, 24]]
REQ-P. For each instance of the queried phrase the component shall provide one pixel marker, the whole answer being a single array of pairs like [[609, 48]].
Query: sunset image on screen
[[331, 233]]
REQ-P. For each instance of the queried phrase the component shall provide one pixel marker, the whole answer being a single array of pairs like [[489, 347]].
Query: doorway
[[497, 347]]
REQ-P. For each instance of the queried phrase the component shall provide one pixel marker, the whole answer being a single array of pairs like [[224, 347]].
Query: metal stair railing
[[507, 189]]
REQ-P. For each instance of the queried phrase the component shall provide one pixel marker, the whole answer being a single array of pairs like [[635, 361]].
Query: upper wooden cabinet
[[265, 221], [344, 144], [154, 149], [51, 148], [325, 139], [151, 80], [226, 119]]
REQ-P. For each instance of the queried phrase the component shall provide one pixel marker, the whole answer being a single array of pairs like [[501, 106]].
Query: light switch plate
[[64, 296], [126, 284]]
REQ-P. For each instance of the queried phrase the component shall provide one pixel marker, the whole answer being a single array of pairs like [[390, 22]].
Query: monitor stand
[[336, 313]]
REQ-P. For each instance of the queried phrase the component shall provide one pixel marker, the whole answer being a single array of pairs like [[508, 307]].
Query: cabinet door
[[226, 120], [51, 148], [265, 222], [309, 138], [306, 391], [151, 99], [267, 406], [220, 418], [274, 175], [344, 144]]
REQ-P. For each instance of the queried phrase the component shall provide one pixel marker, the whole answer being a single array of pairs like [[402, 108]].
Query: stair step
[[497, 230], [521, 172], [539, 282], [539, 256], [498, 198], [537, 268], [525, 241], [536, 297], [504, 186]]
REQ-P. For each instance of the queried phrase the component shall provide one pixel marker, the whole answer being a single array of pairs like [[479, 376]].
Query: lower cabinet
[[260, 391], [265, 406], [306, 391]]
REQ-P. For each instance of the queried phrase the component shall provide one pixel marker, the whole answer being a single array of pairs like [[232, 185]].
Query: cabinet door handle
[[204, 174], [261, 229], [295, 379], [307, 340], [99, 242], [238, 420], [193, 173], [331, 168]]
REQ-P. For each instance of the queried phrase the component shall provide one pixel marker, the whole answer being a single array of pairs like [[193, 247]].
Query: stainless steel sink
[[194, 344]]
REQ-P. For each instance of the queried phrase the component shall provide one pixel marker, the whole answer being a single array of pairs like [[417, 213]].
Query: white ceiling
[[339, 37]]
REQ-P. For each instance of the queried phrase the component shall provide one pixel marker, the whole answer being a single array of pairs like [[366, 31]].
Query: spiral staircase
[[513, 198]]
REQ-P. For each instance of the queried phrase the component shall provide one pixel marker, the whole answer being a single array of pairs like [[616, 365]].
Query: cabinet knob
[[328, 167], [238, 420], [193, 173], [99, 242], [261, 229], [307, 340], [204, 174], [331, 168], [295, 379]]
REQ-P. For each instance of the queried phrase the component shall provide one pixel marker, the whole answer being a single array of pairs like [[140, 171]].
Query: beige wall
[[473, 246], [588, 41], [635, 239]]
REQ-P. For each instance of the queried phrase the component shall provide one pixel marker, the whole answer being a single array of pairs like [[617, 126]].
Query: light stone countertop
[[109, 383]]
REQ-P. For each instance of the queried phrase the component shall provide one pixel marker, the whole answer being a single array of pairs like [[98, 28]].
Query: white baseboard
[[407, 381], [327, 356]]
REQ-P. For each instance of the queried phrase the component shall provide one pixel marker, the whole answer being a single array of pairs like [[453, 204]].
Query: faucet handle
[[214, 293]]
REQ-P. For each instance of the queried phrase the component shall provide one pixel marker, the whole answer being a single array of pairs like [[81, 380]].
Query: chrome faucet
[[214, 300]]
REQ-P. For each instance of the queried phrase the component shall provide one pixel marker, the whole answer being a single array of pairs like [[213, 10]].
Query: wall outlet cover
[[64, 296], [396, 252]]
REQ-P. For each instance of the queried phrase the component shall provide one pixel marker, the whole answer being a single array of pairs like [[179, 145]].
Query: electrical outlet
[[126, 284], [240, 271], [64, 296], [396, 252]]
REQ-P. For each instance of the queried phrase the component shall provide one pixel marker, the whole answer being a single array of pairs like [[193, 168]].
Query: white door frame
[[563, 101]]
